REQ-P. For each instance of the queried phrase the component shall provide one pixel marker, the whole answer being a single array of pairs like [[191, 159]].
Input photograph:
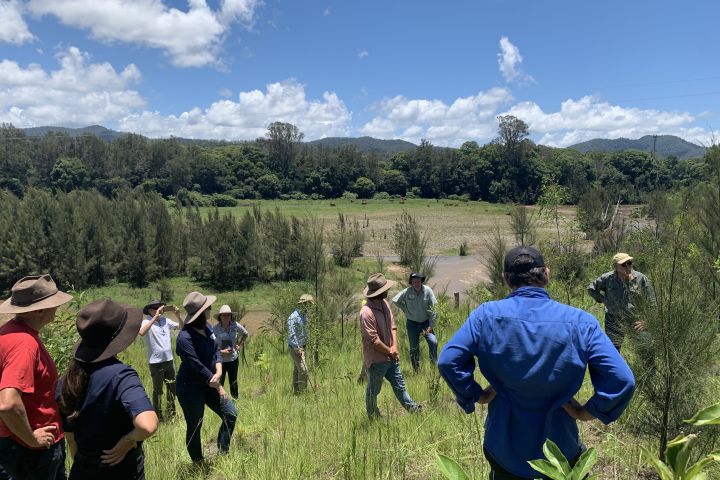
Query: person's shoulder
[[16, 335]]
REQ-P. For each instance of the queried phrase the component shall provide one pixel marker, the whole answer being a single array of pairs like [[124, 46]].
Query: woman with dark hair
[[230, 336], [198, 379], [105, 411]]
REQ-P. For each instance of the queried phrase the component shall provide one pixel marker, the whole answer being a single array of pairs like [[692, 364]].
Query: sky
[[441, 71]]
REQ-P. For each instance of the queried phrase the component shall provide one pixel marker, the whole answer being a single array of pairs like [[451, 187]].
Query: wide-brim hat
[[223, 309], [621, 258], [154, 304], [106, 328], [306, 298], [377, 284], [195, 303], [416, 275], [34, 293]]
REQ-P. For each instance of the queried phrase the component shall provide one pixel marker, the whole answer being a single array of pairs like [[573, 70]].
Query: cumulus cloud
[[191, 38], [248, 117], [466, 118], [13, 28], [363, 54], [510, 63], [590, 117], [79, 93]]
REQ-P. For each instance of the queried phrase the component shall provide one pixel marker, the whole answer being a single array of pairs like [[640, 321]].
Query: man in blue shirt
[[297, 340], [534, 352]]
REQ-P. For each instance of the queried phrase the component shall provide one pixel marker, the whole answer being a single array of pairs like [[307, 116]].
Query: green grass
[[325, 433], [330, 208]]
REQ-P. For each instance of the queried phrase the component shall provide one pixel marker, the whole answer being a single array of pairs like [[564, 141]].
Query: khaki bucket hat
[[195, 303], [377, 284], [34, 293]]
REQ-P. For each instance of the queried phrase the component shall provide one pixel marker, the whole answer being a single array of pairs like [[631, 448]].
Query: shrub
[[222, 200], [381, 196]]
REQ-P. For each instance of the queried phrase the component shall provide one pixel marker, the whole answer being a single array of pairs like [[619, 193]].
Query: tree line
[[509, 169], [86, 239]]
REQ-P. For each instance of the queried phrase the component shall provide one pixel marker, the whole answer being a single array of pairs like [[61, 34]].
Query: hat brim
[[374, 293], [53, 301], [209, 300], [124, 339], [422, 278], [146, 308], [216, 316]]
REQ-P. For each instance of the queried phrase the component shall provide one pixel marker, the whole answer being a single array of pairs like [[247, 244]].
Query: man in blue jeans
[[380, 353], [534, 352], [417, 302]]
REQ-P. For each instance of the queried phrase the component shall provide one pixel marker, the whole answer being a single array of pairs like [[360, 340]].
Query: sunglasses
[[628, 264]]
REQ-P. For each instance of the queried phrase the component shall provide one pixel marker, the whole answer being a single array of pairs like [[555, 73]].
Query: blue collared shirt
[[534, 352], [297, 333]]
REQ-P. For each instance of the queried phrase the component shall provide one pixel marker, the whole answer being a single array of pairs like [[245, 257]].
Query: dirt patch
[[254, 319]]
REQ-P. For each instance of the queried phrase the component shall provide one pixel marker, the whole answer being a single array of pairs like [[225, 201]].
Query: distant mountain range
[[365, 144], [665, 146]]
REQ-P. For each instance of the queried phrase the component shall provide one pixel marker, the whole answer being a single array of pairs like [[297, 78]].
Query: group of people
[[532, 350], [99, 407]]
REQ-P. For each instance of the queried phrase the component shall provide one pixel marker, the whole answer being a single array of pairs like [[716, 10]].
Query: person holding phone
[[229, 336], [156, 329]]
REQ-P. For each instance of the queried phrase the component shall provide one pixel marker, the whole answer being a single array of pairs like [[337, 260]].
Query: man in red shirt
[[31, 439]]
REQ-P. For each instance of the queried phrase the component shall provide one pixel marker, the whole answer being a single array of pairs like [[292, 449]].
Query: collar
[[530, 292]]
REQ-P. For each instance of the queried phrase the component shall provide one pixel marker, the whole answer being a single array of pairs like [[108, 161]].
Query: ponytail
[[73, 391]]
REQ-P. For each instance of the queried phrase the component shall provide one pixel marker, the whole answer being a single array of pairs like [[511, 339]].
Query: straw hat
[[223, 309], [306, 298]]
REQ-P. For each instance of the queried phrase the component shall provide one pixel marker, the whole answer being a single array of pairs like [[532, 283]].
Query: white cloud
[[13, 28], [191, 39], [225, 93], [79, 93], [248, 117], [363, 54], [326, 12], [510, 63], [466, 118], [590, 117]]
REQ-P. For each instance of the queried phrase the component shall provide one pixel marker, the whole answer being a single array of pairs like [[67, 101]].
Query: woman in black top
[[198, 379], [105, 411]]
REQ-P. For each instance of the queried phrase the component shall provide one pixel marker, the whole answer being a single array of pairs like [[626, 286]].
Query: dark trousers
[[88, 468], [414, 330], [193, 397], [231, 369], [163, 374], [22, 463]]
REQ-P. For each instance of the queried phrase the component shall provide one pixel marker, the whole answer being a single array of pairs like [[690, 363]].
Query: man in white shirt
[[156, 330]]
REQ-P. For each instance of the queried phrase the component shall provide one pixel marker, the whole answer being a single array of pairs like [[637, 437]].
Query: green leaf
[[677, 452], [707, 416], [556, 457], [700, 465], [584, 464], [548, 469], [450, 468], [662, 469]]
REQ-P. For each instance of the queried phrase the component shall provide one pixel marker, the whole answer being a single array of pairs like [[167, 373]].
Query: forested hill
[[666, 146], [365, 144], [97, 130]]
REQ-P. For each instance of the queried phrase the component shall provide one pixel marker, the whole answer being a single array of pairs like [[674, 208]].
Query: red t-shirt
[[26, 365]]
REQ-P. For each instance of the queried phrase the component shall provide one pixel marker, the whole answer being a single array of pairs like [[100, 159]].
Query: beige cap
[[621, 258], [306, 298]]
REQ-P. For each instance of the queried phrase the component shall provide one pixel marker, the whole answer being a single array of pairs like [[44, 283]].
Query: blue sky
[[442, 71]]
